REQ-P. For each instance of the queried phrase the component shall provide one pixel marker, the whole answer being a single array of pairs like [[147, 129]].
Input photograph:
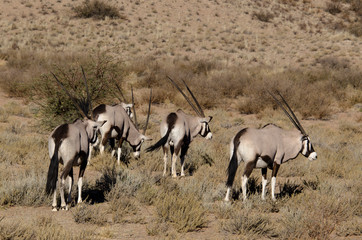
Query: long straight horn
[[197, 103], [183, 94], [295, 117], [70, 96], [89, 101], [285, 111], [134, 110], [120, 92], [148, 113]]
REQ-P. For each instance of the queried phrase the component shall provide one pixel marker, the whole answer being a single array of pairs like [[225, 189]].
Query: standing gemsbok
[[267, 147], [120, 126], [178, 130], [69, 145], [101, 109]]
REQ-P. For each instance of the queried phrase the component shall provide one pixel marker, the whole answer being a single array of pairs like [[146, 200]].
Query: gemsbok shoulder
[[68, 144], [267, 147], [178, 130], [119, 126]]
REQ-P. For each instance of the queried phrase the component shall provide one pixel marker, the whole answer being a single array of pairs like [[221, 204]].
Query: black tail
[[53, 172], [231, 171], [171, 120], [160, 142]]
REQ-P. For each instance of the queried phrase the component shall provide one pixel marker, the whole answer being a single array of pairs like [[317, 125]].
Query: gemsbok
[[267, 147], [178, 130], [101, 109], [119, 126], [68, 144]]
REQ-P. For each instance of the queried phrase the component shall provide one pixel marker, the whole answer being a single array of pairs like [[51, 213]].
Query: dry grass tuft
[[85, 213]]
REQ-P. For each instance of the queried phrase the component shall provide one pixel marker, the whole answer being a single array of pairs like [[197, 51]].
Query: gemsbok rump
[[68, 144], [120, 126], [267, 147], [178, 130]]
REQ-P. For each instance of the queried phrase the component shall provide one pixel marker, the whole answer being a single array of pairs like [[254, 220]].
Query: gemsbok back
[[267, 147], [178, 130], [119, 126], [69, 145]]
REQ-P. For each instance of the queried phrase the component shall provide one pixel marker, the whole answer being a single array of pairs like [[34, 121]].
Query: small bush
[[247, 224], [96, 9], [183, 210], [84, 213], [264, 16], [334, 7]]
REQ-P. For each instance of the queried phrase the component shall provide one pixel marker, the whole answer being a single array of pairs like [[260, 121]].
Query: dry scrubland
[[229, 52]]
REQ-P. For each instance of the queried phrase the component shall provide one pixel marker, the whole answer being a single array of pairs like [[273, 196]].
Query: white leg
[[173, 166], [273, 181], [263, 182], [90, 152], [182, 169], [70, 189], [243, 185], [226, 199], [101, 148], [63, 205], [165, 162], [113, 152], [119, 156], [54, 205], [80, 183]]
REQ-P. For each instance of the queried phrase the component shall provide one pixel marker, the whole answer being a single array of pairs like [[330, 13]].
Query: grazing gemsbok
[[101, 109], [69, 145], [267, 147], [178, 130], [120, 126]]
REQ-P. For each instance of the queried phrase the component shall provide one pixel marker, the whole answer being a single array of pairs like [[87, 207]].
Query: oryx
[[68, 144], [101, 109], [178, 130], [120, 126], [267, 147]]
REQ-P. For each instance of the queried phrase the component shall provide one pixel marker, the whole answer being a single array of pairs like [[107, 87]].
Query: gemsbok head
[[267, 147], [178, 130], [68, 144]]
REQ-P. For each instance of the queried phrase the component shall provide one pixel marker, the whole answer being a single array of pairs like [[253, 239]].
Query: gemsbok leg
[[273, 180], [70, 185], [182, 157], [82, 168], [165, 158], [244, 179], [264, 181]]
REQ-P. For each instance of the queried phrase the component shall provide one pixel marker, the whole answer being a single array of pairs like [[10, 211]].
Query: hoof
[[54, 209], [64, 208]]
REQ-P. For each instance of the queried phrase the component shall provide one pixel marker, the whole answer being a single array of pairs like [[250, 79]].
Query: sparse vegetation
[[229, 53]]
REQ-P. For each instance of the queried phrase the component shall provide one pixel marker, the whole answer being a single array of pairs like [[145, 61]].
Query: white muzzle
[[136, 154], [312, 156], [209, 135]]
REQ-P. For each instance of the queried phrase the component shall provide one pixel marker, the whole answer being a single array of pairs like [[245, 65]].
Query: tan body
[[264, 148], [68, 144]]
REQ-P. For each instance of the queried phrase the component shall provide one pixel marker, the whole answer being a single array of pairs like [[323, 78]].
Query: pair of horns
[[291, 117], [198, 110], [88, 103], [148, 113]]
